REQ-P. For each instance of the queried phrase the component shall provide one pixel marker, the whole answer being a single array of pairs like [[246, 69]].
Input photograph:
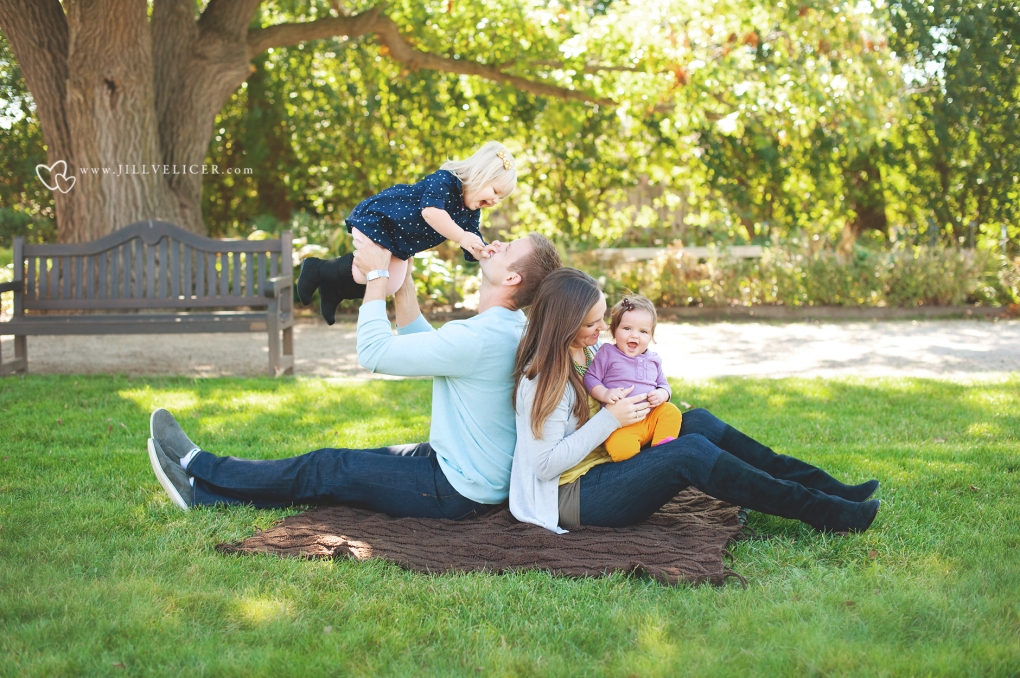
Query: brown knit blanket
[[683, 541]]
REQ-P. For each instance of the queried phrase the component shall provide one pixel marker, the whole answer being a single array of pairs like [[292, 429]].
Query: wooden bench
[[102, 286]]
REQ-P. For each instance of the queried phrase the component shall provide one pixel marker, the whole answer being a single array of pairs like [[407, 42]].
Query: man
[[462, 471]]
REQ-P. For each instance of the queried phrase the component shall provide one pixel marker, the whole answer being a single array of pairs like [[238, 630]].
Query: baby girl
[[630, 369]]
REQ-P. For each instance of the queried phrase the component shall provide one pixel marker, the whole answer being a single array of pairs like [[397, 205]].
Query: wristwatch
[[372, 275]]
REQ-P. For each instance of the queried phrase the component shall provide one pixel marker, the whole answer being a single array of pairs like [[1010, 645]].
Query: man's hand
[[372, 257], [657, 397], [475, 245]]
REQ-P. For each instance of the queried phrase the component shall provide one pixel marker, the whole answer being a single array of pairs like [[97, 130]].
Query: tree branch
[[388, 34], [589, 68], [288, 35], [229, 17]]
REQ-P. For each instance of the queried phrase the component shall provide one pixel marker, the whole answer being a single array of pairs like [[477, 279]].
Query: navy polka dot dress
[[392, 219]]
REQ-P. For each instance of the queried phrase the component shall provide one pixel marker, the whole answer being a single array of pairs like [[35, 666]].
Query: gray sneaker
[[171, 476], [168, 433]]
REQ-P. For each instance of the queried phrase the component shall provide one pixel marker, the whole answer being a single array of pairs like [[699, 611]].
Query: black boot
[[780, 466], [741, 484], [335, 281]]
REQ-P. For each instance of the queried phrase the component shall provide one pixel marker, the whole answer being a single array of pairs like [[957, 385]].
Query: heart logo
[[59, 178]]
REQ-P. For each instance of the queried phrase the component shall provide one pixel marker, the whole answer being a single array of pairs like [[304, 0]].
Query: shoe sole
[[161, 476], [152, 422]]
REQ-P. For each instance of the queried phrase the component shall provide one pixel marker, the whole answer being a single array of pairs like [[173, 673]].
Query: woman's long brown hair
[[563, 301]]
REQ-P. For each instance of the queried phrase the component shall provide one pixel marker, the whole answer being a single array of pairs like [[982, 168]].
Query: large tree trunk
[[129, 102], [112, 118]]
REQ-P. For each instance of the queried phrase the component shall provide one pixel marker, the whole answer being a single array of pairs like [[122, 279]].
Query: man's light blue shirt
[[471, 362]]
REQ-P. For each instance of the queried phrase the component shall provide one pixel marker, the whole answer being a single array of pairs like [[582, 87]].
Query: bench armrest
[[9, 286], [278, 285]]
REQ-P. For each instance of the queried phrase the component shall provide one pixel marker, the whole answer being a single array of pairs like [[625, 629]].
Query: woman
[[560, 477]]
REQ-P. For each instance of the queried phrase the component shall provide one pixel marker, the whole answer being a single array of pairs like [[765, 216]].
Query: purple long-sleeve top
[[613, 368]]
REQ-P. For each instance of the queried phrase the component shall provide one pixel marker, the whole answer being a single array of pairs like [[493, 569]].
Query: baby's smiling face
[[634, 332]]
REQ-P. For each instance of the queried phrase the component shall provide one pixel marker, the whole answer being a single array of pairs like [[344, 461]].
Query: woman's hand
[[630, 410], [657, 397]]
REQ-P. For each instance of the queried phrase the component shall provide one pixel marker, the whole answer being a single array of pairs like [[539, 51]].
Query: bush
[[905, 277], [34, 228]]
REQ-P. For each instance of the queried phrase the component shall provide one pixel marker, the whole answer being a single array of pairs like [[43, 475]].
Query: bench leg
[[273, 325], [288, 349], [20, 362]]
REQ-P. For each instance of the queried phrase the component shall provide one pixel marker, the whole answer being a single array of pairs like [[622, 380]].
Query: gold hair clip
[[502, 156]]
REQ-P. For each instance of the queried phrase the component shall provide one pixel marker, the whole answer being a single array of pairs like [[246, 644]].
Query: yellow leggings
[[662, 422]]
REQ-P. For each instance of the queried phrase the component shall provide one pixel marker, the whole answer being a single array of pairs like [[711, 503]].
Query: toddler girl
[[629, 369], [407, 219]]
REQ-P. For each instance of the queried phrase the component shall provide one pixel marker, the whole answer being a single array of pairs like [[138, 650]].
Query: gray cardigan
[[539, 462]]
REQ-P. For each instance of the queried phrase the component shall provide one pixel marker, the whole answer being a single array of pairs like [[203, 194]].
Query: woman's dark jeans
[[627, 492], [703, 423], [401, 480]]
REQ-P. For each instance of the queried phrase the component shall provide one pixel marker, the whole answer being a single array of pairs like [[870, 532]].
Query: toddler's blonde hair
[[631, 302], [486, 168]]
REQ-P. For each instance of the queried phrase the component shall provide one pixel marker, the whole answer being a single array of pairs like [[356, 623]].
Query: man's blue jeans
[[402, 481]]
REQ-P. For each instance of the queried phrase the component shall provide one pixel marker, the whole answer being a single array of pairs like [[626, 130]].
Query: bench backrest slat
[[78, 274], [189, 283], [150, 265], [260, 261], [65, 275], [135, 278], [224, 258], [164, 268], [249, 266], [44, 277], [30, 280], [113, 288], [150, 271], [175, 270], [102, 276]]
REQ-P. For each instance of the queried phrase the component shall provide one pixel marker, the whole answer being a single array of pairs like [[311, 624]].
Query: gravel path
[[954, 349]]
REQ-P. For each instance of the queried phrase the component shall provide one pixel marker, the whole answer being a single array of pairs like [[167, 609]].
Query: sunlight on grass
[[985, 429], [174, 400], [261, 611]]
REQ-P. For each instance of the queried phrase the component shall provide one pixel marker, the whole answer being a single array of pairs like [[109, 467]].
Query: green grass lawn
[[99, 574]]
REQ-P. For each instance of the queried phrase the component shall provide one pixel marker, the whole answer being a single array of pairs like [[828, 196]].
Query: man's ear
[[512, 278]]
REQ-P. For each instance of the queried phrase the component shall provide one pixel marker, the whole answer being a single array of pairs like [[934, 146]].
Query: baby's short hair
[[631, 302]]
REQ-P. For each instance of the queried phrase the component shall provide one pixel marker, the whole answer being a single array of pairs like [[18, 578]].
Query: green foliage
[[903, 277], [26, 207], [34, 228], [94, 554], [734, 121], [961, 136]]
